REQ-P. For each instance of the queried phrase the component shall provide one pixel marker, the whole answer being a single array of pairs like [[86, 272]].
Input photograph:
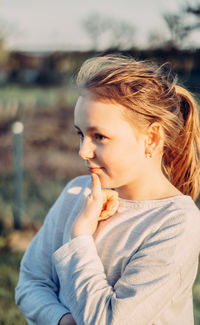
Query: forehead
[[89, 111]]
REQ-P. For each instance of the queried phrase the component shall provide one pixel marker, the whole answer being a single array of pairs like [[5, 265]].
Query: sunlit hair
[[150, 95]]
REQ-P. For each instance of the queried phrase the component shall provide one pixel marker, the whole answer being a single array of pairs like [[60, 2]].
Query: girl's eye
[[99, 136]]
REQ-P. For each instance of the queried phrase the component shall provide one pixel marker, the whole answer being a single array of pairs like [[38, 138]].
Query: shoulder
[[186, 208], [77, 184], [190, 214], [172, 232], [181, 225], [180, 210], [75, 190]]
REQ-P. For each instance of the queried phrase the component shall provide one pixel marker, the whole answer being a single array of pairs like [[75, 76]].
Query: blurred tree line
[[107, 35], [59, 68]]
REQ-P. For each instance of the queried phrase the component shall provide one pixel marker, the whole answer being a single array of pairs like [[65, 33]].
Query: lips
[[94, 169]]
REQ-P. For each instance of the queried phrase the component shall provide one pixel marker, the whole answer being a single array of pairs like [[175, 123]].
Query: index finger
[[96, 186], [110, 195]]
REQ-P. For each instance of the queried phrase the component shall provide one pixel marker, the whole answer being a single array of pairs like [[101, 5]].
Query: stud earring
[[148, 155]]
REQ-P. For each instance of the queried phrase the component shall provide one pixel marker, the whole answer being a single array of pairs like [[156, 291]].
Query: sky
[[58, 24]]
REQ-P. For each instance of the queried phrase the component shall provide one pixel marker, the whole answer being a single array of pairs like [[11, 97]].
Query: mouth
[[94, 169]]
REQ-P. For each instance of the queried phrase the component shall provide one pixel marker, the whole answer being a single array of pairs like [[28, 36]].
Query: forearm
[[40, 305], [80, 300], [37, 290], [92, 300]]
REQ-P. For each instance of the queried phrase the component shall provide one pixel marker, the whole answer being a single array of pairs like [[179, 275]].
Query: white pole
[[17, 129]]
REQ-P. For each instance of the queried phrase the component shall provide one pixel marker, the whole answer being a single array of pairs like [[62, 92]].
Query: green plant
[[9, 270], [196, 298]]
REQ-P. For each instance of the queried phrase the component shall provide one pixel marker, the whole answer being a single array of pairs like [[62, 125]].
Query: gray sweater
[[138, 269]]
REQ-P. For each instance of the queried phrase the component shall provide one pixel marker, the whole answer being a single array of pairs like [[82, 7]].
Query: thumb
[[96, 186]]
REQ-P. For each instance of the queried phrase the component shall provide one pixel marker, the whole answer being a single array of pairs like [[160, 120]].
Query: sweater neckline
[[152, 203]]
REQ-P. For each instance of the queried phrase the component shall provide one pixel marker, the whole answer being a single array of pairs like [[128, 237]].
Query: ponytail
[[182, 162]]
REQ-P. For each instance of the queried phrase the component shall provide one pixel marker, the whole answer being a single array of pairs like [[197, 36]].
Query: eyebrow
[[92, 128]]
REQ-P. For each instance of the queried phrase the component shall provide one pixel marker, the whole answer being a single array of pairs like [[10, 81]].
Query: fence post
[[17, 129]]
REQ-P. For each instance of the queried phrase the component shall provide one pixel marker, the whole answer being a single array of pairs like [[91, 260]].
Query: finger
[[96, 186], [109, 207], [109, 198], [112, 206], [110, 194], [105, 214]]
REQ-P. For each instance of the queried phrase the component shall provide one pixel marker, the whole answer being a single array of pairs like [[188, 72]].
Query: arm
[[38, 288], [148, 282], [147, 285]]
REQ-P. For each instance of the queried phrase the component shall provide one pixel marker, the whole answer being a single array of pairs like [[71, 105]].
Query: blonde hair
[[152, 96]]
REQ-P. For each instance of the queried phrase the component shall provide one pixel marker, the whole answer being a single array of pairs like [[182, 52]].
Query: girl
[[121, 246]]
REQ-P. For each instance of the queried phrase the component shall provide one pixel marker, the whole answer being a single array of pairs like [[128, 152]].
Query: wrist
[[80, 229]]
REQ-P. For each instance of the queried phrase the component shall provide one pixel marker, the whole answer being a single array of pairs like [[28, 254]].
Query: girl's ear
[[154, 138]]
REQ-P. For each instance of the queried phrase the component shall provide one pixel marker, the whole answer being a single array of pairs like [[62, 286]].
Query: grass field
[[9, 313]]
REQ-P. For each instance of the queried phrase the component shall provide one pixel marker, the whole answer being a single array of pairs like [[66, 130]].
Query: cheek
[[116, 158], [118, 155], [127, 157], [108, 158], [103, 153]]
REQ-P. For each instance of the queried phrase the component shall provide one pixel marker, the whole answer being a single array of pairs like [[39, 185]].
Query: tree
[[107, 32], [181, 25], [3, 52], [195, 11], [156, 40], [178, 29]]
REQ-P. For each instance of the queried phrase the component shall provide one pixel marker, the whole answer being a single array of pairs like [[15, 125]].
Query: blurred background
[[42, 45]]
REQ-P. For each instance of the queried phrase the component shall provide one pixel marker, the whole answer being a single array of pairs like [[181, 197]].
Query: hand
[[110, 204], [100, 205], [67, 319]]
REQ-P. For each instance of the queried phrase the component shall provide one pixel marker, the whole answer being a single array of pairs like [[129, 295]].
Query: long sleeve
[[138, 269], [37, 289], [147, 284]]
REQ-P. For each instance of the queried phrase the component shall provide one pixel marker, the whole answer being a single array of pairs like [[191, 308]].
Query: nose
[[86, 150]]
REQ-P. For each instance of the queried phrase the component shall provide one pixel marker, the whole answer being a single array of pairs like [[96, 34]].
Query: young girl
[[121, 246]]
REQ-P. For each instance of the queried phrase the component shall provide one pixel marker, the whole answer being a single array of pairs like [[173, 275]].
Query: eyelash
[[97, 136], [80, 134]]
